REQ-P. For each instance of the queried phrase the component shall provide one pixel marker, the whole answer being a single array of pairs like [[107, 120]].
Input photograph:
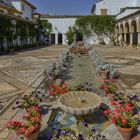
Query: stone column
[[125, 39], [131, 39], [56, 38], [139, 39]]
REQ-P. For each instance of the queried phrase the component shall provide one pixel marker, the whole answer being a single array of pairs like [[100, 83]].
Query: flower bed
[[55, 69], [102, 65], [30, 125]]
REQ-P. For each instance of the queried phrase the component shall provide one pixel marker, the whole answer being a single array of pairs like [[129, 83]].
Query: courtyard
[[22, 73]]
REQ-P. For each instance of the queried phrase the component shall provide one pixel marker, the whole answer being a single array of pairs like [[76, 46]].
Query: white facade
[[61, 26], [127, 12], [114, 7], [26, 8], [7, 7]]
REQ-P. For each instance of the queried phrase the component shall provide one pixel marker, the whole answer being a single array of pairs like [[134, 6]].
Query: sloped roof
[[128, 12], [94, 6], [29, 4], [9, 6]]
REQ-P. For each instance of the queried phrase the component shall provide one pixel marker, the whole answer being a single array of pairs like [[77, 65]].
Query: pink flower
[[124, 121], [31, 129], [107, 112], [113, 103], [122, 109], [22, 130], [116, 112], [106, 81], [26, 133], [113, 121]]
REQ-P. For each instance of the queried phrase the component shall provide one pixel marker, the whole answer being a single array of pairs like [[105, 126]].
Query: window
[[23, 8], [103, 12]]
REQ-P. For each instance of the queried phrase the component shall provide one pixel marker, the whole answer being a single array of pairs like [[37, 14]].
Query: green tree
[[70, 35], [45, 28], [100, 25]]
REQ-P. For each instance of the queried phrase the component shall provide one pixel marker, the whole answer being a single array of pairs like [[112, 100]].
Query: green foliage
[[99, 25], [70, 35], [10, 31], [45, 27]]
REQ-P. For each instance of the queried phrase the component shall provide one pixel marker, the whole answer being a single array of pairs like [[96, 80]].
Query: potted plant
[[58, 89], [83, 132], [29, 127], [103, 73], [109, 87], [26, 102], [121, 116]]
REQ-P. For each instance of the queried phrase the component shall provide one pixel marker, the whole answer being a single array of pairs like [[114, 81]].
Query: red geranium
[[109, 86], [31, 123], [121, 115], [58, 90]]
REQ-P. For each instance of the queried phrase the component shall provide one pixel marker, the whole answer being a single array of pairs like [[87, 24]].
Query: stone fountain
[[79, 103]]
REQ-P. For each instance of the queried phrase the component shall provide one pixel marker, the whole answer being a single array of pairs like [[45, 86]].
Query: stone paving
[[127, 61], [32, 63], [20, 73]]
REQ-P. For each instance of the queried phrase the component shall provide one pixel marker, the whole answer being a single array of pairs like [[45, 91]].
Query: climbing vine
[[12, 30], [45, 28], [100, 25]]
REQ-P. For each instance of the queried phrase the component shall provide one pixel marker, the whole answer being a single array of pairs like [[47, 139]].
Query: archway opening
[[135, 33], [127, 33], [122, 31]]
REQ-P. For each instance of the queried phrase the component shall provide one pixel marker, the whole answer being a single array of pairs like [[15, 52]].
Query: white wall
[[16, 4], [61, 25], [137, 2], [113, 6], [28, 10]]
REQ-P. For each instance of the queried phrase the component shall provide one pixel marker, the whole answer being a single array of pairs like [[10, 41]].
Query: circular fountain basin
[[79, 102]]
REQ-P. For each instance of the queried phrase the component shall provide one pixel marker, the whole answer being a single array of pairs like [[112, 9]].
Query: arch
[[133, 26], [121, 28], [134, 31], [127, 30], [122, 32], [127, 27]]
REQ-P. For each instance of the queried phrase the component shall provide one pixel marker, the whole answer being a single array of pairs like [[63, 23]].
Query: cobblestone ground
[[127, 61], [20, 73]]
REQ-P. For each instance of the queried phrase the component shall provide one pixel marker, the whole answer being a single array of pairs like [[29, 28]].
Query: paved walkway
[[20, 73], [81, 70], [127, 61]]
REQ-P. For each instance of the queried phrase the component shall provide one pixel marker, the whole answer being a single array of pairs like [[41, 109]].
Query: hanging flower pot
[[125, 133]]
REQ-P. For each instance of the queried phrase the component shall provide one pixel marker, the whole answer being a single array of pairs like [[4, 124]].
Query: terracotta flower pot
[[33, 136], [103, 74], [125, 132]]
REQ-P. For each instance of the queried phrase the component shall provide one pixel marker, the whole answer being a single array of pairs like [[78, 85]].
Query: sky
[[63, 7]]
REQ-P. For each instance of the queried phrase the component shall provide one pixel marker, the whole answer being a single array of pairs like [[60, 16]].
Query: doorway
[[60, 38], [52, 39]]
